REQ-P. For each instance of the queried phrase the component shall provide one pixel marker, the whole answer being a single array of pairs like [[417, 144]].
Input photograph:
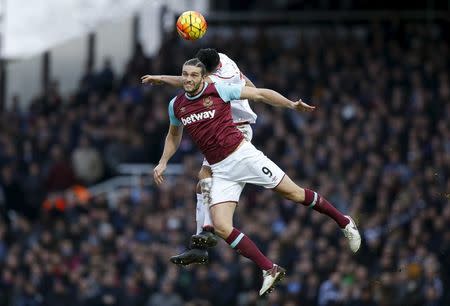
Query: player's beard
[[193, 92]]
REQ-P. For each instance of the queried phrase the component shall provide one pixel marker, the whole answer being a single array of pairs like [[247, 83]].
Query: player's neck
[[199, 90]]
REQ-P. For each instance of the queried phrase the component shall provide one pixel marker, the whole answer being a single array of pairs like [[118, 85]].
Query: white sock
[[205, 185], [200, 213], [207, 217]]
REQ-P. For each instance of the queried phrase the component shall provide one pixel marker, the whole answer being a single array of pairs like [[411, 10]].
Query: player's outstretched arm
[[171, 145], [172, 80], [274, 98]]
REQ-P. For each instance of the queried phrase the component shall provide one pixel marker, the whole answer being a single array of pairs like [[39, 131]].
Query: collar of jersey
[[197, 95]]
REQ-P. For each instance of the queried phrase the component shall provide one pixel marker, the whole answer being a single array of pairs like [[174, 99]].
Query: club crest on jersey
[[207, 102], [198, 117]]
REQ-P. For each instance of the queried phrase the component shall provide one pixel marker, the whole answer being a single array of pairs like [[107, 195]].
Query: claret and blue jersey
[[207, 118]]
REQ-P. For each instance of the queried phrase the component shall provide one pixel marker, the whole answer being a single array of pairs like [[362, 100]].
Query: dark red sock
[[246, 247], [320, 204]]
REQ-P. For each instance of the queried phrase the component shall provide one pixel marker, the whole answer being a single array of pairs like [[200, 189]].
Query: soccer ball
[[191, 25]]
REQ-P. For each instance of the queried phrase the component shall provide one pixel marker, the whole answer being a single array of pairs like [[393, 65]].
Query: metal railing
[[132, 175], [142, 169]]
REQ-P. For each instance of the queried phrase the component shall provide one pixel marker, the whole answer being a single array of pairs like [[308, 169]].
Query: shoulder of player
[[175, 100], [217, 85], [216, 88], [223, 56], [212, 87], [226, 60], [228, 70]]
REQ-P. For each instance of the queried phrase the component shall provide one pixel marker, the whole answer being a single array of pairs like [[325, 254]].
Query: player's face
[[192, 79]]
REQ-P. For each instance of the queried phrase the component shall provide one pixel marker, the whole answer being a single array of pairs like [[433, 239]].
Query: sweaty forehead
[[192, 69]]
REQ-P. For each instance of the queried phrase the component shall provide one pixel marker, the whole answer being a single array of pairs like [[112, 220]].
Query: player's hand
[[158, 173], [151, 79], [303, 107]]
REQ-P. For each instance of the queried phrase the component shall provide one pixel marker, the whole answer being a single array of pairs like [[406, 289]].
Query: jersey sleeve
[[172, 118], [229, 92]]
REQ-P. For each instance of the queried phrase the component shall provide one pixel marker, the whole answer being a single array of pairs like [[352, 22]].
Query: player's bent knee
[[222, 218], [222, 228]]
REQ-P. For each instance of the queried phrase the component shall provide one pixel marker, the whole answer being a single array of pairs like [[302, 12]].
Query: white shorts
[[246, 130], [245, 165]]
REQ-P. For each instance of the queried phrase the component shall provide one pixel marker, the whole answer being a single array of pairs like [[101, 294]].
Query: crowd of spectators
[[378, 147]]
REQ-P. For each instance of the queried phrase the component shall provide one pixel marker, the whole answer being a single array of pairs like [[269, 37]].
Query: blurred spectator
[[59, 295], [329, 292], [11, 189], [87, 162], [106, 77], [60, 173], [167, 296]]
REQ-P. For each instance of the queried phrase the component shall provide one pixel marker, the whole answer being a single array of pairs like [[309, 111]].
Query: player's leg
[[197, 255], [289, 190], [199, 211], [204, 237], [225, 195], [260, 170], [205, 231], [222, 215]]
